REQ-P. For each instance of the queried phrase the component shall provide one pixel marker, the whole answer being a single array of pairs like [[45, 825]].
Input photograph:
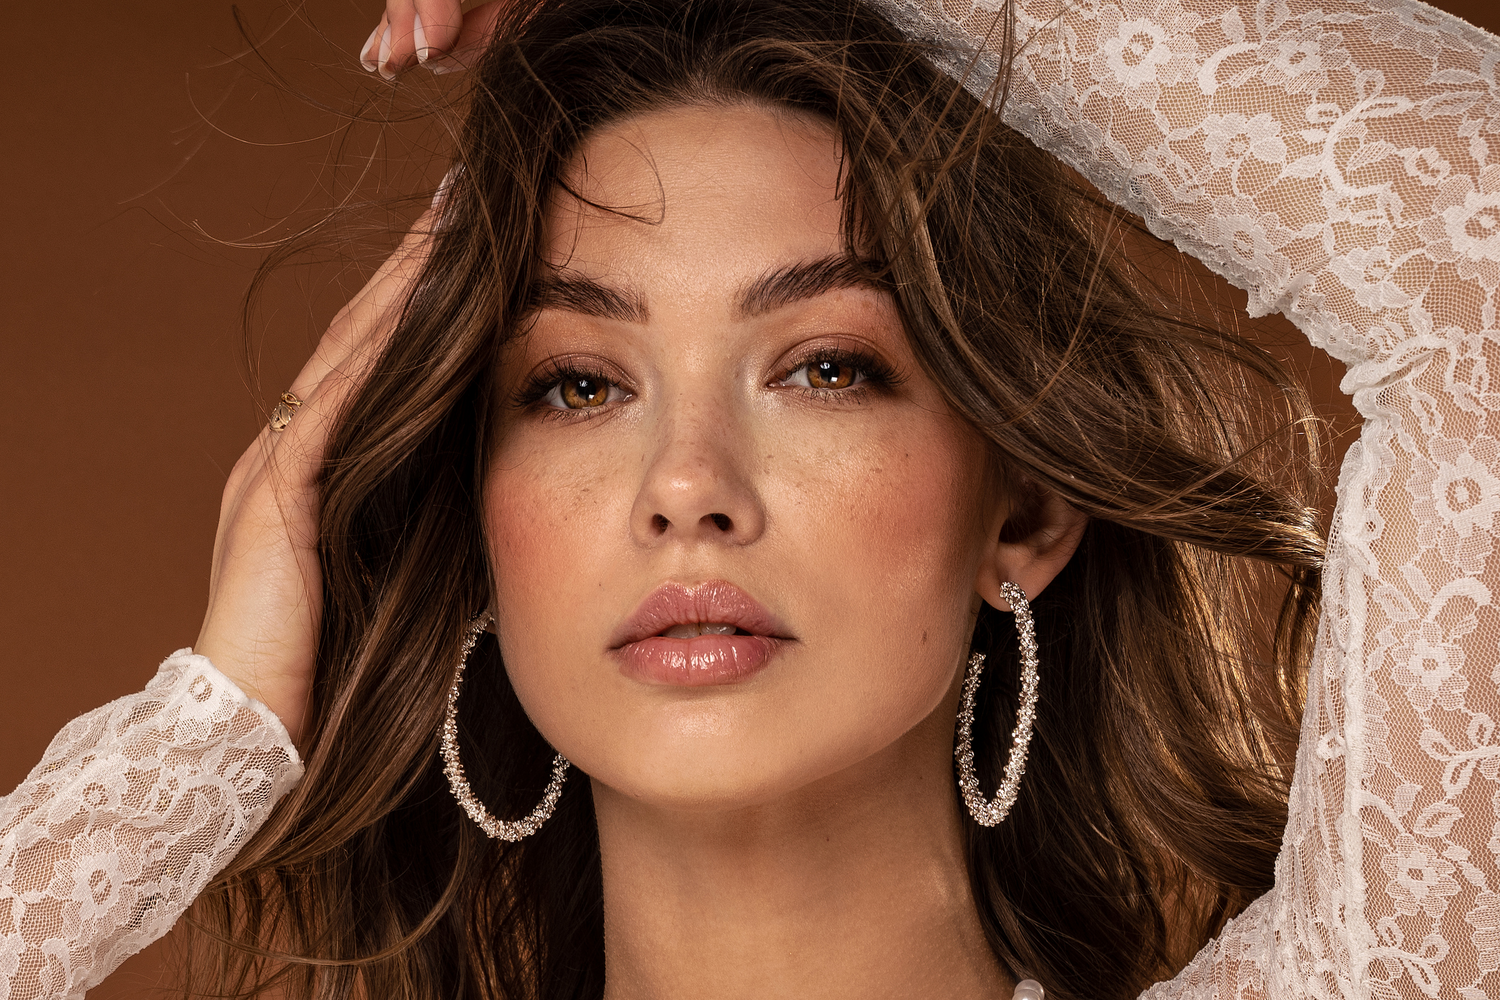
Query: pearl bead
[[1029, 989]]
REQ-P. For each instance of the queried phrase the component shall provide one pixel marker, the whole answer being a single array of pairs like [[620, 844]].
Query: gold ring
[[282, 415]]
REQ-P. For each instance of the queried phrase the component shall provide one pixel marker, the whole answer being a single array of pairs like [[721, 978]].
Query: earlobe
[[1029, 546]]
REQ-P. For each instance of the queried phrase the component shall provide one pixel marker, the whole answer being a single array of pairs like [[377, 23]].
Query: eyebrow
[[806, 280], [782, 287], [589, 297]]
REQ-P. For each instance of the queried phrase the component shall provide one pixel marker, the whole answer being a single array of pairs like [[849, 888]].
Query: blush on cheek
[[538, 541], [894, 536], [917, 512], [540, 557], [521, 536]]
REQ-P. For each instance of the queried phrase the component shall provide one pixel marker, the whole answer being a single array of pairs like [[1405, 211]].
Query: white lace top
[[1341, 161]]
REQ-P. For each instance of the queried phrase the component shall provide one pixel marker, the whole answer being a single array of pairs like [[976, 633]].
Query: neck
[[854, 886]]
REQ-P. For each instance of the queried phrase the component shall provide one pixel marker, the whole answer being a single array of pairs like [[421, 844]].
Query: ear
[[1030, 540]]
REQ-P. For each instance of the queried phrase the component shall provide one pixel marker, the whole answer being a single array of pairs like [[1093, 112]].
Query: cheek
[[895, 526], [534, 518], [545, 518], [884, 542]]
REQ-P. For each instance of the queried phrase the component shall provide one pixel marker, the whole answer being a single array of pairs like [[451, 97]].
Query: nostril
[[721, 521], [660, 523]]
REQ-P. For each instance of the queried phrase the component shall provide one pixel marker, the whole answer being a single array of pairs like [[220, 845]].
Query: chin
[[708, 759]]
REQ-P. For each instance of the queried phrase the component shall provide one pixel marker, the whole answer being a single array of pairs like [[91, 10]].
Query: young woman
[[714, 434]]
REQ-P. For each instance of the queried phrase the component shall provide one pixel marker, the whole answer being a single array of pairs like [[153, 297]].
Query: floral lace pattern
[[132, 810], [1341, 162]]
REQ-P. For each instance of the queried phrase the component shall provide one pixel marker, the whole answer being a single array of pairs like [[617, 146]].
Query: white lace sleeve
[[1341, 161], [133, 809]]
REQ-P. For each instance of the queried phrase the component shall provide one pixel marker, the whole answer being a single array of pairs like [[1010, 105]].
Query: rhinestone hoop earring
[[990, 813], [453, 767]]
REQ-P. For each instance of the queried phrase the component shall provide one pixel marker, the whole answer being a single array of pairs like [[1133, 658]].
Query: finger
[[435, 27], [396, 48], [416, 30], [478, 28], [361, 328], [369, 55], [343, 356]]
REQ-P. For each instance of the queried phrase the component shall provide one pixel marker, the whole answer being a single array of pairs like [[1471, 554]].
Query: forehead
[[688, 200]]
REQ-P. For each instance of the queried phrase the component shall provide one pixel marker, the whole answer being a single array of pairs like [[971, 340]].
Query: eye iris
[[829, 375], [584, 393]]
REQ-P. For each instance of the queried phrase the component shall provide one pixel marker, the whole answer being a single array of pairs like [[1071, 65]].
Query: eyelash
[[554, 374], [878, 376]]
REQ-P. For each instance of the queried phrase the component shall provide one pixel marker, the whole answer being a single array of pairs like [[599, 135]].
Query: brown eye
[[583, 393], [829, 374], [826, 373]]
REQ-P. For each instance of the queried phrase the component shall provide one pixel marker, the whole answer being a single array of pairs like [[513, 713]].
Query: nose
[[699, 483]]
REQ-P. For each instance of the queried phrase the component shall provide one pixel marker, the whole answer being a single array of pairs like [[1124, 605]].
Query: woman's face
[[710, 426]]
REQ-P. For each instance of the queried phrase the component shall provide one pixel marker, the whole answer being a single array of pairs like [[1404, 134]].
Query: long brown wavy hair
[[1155, 797]]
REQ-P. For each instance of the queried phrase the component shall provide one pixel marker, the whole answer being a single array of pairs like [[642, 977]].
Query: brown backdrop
[[141, 142]]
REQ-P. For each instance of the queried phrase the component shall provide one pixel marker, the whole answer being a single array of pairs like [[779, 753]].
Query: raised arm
[[1341, 162]]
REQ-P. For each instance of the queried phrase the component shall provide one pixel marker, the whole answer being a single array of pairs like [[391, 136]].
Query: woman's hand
[[438, 34], [265, 588]]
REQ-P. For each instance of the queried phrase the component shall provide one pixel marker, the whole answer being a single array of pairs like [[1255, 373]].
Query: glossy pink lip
[[646, 655]]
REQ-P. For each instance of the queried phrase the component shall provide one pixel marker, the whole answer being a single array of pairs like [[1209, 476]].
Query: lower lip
[[697, 662]]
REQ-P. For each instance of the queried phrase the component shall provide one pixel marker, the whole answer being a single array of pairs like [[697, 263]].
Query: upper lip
[[715, 601]]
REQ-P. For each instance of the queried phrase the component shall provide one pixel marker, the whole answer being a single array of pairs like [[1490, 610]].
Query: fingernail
[[419, 38], [439, 68], [364, 53], [385, 53]]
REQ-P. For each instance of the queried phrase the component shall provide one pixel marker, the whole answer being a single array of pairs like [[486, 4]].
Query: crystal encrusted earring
[[453, 767], [985, 812]]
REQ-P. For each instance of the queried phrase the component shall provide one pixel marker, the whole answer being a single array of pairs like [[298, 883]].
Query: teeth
[[698, 628]]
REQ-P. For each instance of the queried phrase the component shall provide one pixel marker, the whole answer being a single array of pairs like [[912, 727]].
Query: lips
[[711, 633]]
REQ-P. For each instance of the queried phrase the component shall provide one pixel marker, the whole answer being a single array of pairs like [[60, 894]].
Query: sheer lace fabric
[[132, 810], [1341, 162]]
